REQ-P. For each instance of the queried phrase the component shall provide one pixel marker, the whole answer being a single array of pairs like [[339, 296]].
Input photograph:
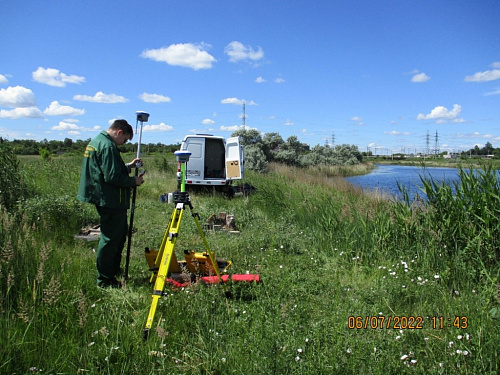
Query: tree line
[[270, 147], [259, 150], [53, 147]]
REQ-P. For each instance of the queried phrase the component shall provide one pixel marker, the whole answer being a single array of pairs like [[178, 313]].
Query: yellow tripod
[[166, 261]]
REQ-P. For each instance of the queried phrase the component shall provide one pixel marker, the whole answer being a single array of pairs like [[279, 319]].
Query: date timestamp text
[[406, 322]]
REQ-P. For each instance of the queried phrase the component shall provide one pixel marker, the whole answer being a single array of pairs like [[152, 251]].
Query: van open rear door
[[234, 159]]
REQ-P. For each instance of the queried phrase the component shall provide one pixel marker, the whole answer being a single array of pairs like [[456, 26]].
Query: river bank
[[440, 162]]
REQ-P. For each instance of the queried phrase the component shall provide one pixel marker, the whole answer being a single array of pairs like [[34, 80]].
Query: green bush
[[59, 215], [12, 187]]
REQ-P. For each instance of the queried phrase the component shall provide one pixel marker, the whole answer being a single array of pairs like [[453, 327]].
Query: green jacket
[[104, 180]]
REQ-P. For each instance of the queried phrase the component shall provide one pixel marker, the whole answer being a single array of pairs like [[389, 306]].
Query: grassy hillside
[[352, 284]]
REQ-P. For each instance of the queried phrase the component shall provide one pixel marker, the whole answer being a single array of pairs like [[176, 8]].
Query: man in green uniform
[[105, 182]]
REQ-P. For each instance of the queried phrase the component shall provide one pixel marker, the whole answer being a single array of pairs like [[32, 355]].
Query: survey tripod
[[166, 261]]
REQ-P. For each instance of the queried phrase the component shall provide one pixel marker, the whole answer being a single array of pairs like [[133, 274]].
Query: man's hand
[[136, 163], [139, 180]]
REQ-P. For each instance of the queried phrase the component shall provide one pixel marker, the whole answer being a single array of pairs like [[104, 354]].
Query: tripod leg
[[159, 257], [167, 251]]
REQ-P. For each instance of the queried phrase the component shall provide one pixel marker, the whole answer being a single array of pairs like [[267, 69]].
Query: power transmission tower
[[436, 144], [427, 142], [333, 139]]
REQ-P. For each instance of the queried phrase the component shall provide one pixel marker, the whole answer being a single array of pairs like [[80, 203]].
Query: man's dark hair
[[124, 126]]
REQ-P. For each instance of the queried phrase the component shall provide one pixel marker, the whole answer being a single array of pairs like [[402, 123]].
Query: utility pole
[[244, 117]]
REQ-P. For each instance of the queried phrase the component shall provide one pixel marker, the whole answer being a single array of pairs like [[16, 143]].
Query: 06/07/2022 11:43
[[406, 322]]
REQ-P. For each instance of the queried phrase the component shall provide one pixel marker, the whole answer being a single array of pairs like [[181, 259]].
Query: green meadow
[[352, 283]]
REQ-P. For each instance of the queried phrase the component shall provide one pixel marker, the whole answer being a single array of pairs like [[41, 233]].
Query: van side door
[[234, 159]]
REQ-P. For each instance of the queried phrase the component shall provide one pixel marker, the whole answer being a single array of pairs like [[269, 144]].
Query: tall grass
[[325, 252]]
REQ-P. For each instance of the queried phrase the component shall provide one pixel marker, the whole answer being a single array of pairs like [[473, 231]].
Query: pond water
[[385, 178]]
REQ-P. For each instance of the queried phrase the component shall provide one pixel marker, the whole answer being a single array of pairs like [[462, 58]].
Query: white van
[[213, 162]]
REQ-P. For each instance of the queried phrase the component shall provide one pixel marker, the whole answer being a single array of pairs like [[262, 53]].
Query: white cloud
[[188, 55], [3, 79], [260, 80], [101, 97], [357, 120], [231, 128], [54, 77], [488, 75], [288, 123], [24, 112], [375, 146], [65, 126], [17, 97], [154, 98], [495, 92], [420, 77], [158, 128], [239, 52], [395, 132], [496, 64], [237, 101], [279, 80], [442, 115], [72, 120], [56, 109], [208, 121]]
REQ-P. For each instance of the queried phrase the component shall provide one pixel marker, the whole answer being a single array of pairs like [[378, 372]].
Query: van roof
[[202, 136]]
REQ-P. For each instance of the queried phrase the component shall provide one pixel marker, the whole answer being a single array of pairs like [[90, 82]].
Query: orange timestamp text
[[406, 322]]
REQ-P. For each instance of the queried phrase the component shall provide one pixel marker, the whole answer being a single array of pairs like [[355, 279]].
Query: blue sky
[[378, 74]]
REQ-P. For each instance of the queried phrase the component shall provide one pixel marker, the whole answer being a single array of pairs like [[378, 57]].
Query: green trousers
[[114, 229]]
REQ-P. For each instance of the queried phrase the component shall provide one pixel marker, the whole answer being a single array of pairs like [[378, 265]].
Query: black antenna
[[244, 117]]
